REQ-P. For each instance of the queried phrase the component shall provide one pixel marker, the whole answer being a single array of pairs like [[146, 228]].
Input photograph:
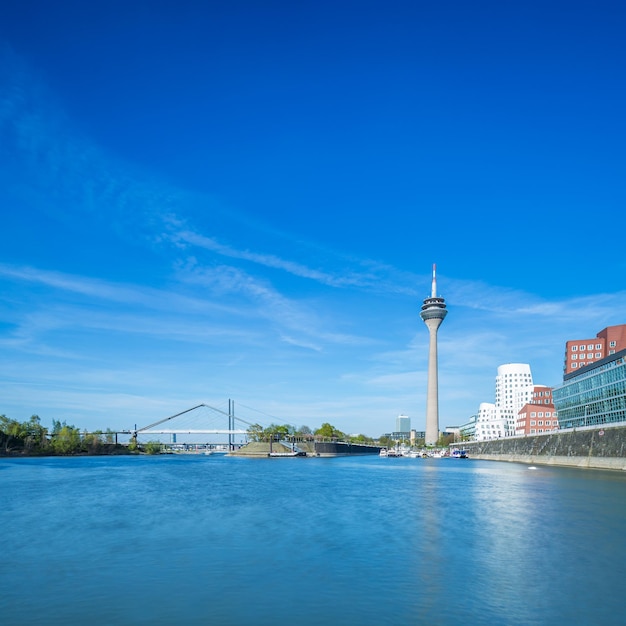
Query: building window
[[611, 351], [574, 357], [598, 355], [590, 355], [582, 364], [574, 348], [533, 423], [612, 344], [590, 346], [598, 346], [532, 431], [574, 365]]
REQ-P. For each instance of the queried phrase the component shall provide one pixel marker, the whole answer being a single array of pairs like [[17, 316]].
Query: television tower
[[433, 312]]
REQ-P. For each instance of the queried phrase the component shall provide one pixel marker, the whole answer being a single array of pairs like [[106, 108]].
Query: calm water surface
[[221, 540]]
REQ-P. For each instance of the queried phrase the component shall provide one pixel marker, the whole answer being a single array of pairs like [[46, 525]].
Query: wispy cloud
[[99, 289], [287, 315]]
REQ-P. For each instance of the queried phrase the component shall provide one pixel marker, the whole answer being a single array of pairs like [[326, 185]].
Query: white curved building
[[514, 389]]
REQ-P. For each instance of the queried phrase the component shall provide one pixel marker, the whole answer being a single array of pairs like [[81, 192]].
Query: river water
[[350, 540]]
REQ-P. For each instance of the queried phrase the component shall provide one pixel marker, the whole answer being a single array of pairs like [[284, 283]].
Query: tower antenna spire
[[433, 293]]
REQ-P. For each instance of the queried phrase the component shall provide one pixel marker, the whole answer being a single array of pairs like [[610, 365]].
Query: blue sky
[[203, 201]]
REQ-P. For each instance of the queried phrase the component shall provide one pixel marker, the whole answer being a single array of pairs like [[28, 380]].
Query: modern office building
[[403, 424], [595, 394], [433, 313], [582, 352]]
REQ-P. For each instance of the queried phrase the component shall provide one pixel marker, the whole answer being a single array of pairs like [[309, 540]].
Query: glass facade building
[[593, 395]]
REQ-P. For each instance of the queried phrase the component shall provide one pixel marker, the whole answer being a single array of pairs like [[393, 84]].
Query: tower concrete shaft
[[433, 312]]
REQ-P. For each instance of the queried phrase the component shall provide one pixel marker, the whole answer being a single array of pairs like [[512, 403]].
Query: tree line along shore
[[32, 438]]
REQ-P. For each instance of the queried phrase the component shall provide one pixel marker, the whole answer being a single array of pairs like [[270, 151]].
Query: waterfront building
[[593, 395], [582, 352], [514, 388], [468, 430], [488, 425], [539, 415], [455, 431], [411, 436], [403, 424], [534, 420], [433, 313]]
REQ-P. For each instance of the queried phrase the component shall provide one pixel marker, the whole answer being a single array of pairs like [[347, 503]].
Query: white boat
[[389, 452]]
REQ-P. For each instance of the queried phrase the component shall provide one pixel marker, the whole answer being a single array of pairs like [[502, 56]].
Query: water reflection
[[340, 541]]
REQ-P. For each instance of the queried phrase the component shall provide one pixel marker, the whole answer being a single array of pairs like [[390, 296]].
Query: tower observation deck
[[433, 312]]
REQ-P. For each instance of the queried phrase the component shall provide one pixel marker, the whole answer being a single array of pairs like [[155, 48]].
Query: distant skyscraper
[[403, 424], [433, 312]]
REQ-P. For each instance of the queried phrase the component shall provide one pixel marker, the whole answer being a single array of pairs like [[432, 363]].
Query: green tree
[[361, 439], [13, 432], [92, 442], [36, 434], [328, 431], [276, 432], [66, 439], [152, 447], [387, 442], [255, 432], [445, 440], [109, 436]]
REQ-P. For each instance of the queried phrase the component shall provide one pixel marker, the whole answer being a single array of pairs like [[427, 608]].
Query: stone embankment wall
[[594, 448]]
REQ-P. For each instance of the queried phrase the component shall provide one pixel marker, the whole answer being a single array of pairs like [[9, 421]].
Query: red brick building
[[581, 352], [539, 415]]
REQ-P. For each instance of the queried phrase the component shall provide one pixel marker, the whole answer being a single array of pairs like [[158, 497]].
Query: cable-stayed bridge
[[196, 424]]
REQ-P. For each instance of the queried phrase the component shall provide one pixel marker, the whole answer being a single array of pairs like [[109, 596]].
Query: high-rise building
[[403, 424], [581, 352], [514, 389], [433, 313]]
